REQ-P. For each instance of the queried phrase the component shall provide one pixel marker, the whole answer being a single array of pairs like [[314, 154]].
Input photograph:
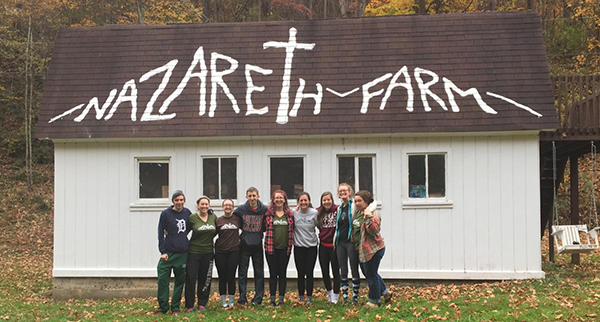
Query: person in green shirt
[[279, 240], [199, 264]]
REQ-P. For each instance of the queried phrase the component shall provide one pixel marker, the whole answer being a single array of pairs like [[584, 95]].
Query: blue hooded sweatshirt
[[175, 224]]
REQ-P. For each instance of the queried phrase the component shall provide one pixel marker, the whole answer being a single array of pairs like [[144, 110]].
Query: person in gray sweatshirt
[[305, 245]]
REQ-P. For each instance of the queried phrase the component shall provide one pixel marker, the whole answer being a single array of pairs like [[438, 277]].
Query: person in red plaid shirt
[[279, 238], [370, 246]]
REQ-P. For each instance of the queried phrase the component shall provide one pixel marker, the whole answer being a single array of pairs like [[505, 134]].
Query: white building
[[438, 115]]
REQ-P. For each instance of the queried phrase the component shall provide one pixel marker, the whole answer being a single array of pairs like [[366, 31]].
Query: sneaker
[[371, 304], [175, 312], [201, 308], [273, 303], [334, 298], [158, 313], [231, 304], [224, 305], [255, 303], [191, 309], [388, 296]]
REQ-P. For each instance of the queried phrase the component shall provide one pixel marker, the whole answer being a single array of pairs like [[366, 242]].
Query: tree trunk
[[530, 5], [28, 103], [362, 5], [421, 7], [206, 12], [141, 10], [344, 8]]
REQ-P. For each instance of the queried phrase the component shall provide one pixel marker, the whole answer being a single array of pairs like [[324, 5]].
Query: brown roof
[[501, 55]]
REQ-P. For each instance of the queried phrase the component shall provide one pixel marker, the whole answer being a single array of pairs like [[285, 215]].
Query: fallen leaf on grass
[[351, 314]]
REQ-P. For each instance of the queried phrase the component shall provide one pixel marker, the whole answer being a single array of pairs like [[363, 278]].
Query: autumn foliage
[[569, 293]]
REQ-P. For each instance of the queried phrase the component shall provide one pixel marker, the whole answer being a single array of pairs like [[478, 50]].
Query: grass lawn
[[569, 293]]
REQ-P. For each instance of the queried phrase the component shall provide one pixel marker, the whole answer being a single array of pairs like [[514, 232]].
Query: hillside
[[26, 218]]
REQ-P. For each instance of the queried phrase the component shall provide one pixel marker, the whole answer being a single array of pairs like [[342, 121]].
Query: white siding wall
[[490, 230]]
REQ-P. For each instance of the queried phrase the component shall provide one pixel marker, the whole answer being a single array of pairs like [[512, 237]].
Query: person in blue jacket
[[173, 246]]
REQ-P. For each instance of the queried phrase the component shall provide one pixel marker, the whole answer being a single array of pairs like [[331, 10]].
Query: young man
[[173, 246], [252, 214]]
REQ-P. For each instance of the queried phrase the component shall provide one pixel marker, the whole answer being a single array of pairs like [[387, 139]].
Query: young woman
[[227, 252], [326, 217], [200, 255], [305, 246], [345, 250], [279, 239], [370, 246]]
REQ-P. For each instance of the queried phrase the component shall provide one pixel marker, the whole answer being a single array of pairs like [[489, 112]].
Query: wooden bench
[[567, 239]]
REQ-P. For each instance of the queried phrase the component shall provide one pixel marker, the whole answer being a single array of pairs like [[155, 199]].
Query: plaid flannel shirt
[[370, 238], [270, 233]]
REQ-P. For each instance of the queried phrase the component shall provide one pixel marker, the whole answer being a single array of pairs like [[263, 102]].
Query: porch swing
[[568, 238]]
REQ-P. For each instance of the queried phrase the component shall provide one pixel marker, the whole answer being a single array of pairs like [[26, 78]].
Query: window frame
[[356, 157], [218, 202], [150, 204], [291, 199], [427, 202]]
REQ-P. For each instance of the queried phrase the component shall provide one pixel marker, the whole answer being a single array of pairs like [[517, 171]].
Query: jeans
[[377, 287], [256, 253]]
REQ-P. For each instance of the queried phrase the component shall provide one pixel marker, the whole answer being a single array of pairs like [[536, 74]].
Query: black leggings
[[278, 263], [198, 270], [327, 255], [305, 258], [227, 264]]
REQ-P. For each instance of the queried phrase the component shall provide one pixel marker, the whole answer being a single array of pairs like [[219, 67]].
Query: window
[[287, 174], [153, 179], [219, 178], [356, 171], [427, 175]]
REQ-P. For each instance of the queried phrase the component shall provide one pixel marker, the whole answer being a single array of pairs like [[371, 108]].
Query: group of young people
[[346, 237]]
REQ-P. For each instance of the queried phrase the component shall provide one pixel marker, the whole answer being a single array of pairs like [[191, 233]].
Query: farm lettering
[[198, 69]]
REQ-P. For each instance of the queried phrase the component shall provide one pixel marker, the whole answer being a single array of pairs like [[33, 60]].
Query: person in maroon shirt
[[227, 252], [326, 218]]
